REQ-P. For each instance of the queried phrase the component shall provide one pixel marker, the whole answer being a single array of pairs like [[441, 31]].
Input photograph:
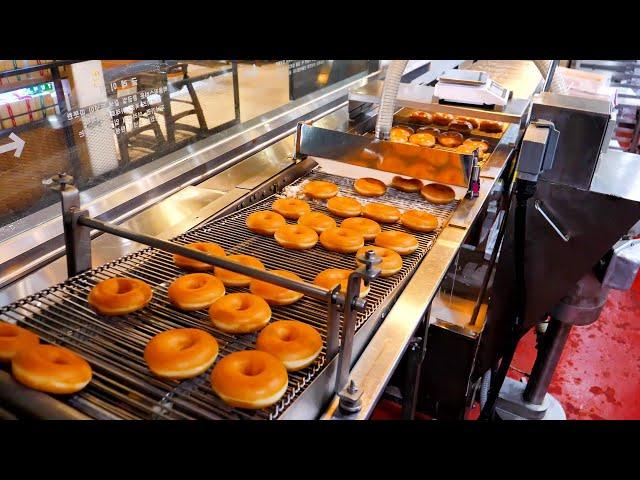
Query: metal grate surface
[[122, 386]]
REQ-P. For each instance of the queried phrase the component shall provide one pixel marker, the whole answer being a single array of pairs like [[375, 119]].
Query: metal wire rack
[[122, 386]]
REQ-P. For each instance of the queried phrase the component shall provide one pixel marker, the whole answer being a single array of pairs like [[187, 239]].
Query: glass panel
[[99, 118]]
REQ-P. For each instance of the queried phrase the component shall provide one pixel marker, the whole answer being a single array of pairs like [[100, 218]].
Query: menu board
[[307, 76]]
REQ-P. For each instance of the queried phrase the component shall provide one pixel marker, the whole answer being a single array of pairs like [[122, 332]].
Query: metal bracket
[[538, 149], [298, 155], [623, 265], [77, 237]]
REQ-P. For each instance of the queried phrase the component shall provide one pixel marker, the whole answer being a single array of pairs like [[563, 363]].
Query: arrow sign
[[17, 145]]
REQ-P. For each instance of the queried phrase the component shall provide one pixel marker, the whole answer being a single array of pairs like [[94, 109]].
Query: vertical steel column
[[416, 354]]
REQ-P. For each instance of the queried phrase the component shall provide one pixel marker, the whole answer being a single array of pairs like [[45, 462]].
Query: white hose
[[557, 82], [388, 99], [484, 388]]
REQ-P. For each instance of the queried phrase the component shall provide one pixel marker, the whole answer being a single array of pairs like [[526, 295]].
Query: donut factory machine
[[122, 386]]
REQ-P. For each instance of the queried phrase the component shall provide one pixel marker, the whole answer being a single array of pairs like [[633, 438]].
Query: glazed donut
[[438, 194], [195, 291], [119, 296], [400, 134], [51, 369], [473, 121], [450, 139], [461, 126], [409, 185], [424, 139], [233, 279], [331, 277], [13, 339], [400, 242], [181, 353], [320, 189], [296, 237], [291, 208], [466, 149], [443, 119], [249, 379], [369, 187], [490, 126], [294, 343], [421, 117], [419, 221], [341, 240], [265, 222], [274, 294], [344, 207], [381, 213], [391, 261], [205, 247], [317, 220], [240, 313], [432, 130], [364, 226], [483, 145]]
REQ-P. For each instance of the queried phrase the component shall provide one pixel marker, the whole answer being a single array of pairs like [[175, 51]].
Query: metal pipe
[[302, 287], [552, 83], [348, 330], [547, 360], [388, 98]]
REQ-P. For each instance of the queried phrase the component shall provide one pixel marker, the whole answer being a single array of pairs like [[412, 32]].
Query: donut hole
[[243, 304], [123, 286], [253, 369], [195, 283], [186, 344], [59, 361]]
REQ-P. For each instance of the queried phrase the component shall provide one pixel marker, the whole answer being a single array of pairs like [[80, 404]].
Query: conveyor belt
[[122, 386]]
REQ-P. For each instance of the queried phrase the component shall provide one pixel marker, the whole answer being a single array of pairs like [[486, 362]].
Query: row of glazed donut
[[461, 124]]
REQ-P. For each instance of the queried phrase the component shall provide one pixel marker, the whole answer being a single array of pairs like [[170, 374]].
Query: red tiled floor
[[599, 372]]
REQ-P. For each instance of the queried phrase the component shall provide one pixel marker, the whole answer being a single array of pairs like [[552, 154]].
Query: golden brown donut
[[432, 130], [317, 220], [369, 187], [233, 279], [331, 277], [473, 121], [400, 242], [364, 226], [204, 247], [424, 139], [195, 291], [320, 189], [13, 339], [391, 261], [342, 240], [381, 213], [274, 294], [443, 119], [265, 222], [400, 134], [119, 296], [294, 343], [296, 237], [483, 145], [490, 126], [450, 139], [421, 117], [466, 149], [461, 126], [409, 185], [291, 208], [181, 353], [419, 221], [240, 313], [438, 194], [51, 369], [344, 207], [249, 379]]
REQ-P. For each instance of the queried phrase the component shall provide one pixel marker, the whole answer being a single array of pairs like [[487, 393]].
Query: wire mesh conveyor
[[122, 386]]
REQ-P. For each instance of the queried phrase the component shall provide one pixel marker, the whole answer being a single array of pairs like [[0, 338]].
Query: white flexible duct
[[557, 82], [388, 100]]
